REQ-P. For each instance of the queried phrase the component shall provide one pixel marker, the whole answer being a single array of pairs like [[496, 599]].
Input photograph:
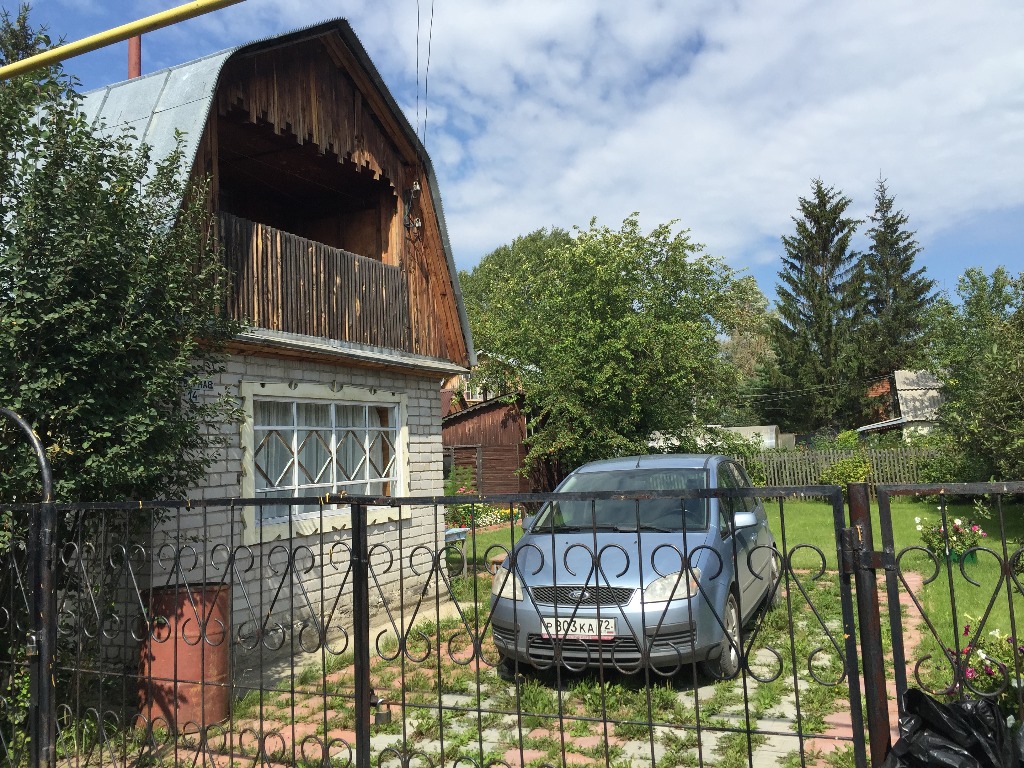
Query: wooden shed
[[488, 436]]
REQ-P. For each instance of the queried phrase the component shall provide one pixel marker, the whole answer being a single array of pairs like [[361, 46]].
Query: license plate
[[578, 627]]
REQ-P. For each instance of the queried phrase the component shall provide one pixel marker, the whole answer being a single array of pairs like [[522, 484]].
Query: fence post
[[361, 633], [42, 641], [869, 620]]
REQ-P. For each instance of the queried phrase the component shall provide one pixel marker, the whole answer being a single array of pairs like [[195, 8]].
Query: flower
[[990, 665], [947, 539]]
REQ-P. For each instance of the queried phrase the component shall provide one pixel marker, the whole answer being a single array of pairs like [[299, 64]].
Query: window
[[314, 447], [727, 506], [668, 513]]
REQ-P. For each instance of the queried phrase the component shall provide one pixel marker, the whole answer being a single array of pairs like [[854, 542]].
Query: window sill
[[338, 519]]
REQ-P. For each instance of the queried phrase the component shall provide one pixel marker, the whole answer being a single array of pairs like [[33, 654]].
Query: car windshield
[[628, 514]]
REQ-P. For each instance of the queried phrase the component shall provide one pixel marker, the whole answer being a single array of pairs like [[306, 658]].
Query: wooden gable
[[330, 219]]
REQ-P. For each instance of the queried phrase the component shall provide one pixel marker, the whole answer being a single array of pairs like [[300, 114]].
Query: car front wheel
[[506, 668], [727, 665]]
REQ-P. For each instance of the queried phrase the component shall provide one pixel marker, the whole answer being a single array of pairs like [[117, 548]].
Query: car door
[[746, 539], [761, 559]]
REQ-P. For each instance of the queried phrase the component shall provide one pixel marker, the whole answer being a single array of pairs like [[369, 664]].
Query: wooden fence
[[888, 465], [288, 283]]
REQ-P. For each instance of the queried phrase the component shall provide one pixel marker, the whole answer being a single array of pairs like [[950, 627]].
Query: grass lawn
[[483, 544], [952, 597]]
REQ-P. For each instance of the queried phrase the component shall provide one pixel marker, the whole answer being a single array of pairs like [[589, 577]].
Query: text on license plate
[[600, 628]]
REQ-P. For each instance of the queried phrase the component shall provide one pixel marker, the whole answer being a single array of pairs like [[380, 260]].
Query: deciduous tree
[[978, 350], [111, 298], [610, 334]]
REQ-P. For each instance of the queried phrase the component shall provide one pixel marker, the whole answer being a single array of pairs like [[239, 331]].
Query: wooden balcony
[[287, 283]]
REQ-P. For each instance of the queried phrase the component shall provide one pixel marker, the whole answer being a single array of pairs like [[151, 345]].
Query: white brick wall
[[281, 583]]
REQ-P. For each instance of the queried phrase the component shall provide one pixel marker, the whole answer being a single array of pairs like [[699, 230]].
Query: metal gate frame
[[41, 644]]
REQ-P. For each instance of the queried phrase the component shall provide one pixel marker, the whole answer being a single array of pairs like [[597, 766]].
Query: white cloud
[[547, 113]]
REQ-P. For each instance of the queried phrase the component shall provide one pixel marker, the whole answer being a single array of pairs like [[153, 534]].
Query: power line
[[426, 77], [417, 65], [784, 395]]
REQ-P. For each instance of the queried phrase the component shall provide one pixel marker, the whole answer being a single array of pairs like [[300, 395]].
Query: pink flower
[[967, 630], [970, 674], [989, 671]]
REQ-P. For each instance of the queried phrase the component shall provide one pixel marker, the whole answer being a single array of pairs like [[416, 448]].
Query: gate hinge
[[856, 558]]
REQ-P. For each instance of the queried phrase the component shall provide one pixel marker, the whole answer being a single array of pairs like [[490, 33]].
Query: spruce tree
[[897, 296], [816, 379]]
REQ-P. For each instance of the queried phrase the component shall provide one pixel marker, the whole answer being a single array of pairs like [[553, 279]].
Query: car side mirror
[[528, 522], [744, 520]]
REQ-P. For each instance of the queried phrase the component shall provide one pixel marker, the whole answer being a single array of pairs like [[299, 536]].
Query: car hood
[[609, 557]]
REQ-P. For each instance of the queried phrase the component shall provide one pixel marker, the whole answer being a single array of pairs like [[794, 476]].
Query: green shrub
[[853, 469], [472, 514], [459, 479]]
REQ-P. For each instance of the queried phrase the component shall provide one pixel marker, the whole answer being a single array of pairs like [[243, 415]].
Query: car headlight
[[507, 585], [674, 586]]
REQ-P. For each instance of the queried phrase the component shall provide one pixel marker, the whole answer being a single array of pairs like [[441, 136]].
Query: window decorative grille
[[313, 448]]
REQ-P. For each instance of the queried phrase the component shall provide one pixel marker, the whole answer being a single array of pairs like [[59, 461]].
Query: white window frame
[[335, 516]]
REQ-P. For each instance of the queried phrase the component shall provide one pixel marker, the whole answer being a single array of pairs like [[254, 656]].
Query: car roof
[[653, 461]]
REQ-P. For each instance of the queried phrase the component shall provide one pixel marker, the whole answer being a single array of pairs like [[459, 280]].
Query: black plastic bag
[[964, 734]]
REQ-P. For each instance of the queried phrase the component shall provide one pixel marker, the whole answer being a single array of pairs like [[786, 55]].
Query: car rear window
[[664, 514]]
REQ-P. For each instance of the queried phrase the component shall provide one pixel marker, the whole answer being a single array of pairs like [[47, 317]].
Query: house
[[331, 222], [907, 401]]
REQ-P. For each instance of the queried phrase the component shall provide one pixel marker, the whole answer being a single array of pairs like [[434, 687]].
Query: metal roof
[[179, 99], [155, 107], [919, 397]]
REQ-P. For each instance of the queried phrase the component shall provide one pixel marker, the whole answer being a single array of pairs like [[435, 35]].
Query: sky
[[714, 114]]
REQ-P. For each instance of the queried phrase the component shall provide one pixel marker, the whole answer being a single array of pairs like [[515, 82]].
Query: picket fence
[[888, 465]]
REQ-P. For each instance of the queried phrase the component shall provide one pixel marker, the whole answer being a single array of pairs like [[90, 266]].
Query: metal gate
[[363, 643], [954, 565]]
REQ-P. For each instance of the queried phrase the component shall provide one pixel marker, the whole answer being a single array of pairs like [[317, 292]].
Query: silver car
[[657, 582]]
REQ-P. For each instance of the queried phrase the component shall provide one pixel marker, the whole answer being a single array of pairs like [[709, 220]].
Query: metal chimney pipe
[[135, 56]]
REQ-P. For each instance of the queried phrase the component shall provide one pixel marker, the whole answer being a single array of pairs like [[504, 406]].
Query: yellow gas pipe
[[115, 35]]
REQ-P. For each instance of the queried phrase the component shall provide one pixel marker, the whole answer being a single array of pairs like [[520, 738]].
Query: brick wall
[[294, 581]]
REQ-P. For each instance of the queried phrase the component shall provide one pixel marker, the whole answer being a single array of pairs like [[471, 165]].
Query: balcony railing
[[287, 283]]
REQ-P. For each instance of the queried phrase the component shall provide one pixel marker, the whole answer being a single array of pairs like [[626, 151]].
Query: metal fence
[[369, 635]]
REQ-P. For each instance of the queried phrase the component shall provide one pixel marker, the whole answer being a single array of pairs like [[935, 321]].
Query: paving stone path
[[287, 729]]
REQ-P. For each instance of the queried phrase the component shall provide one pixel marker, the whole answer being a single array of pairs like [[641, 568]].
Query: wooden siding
[[288, 283], [316, 92], [433, 310], [495, 467], [303, 94], [493, 423], [489, 437]]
